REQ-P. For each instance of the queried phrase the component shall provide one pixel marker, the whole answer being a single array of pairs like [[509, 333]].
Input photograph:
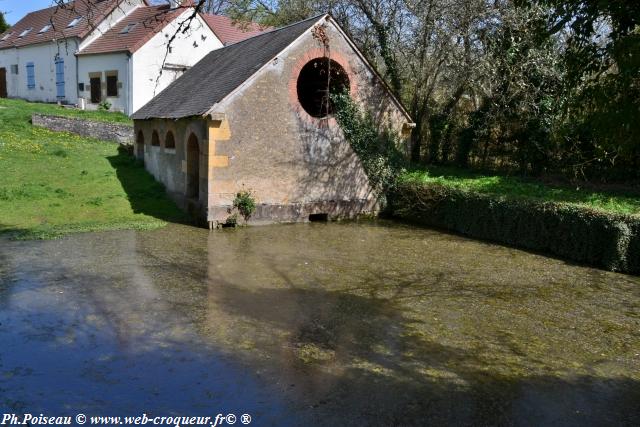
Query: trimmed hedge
[[610, 241]]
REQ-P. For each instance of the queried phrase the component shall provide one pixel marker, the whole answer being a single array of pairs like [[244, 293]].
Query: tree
[[3, 23], [522, 80], [532, 84], [540, 85], [603, 83]]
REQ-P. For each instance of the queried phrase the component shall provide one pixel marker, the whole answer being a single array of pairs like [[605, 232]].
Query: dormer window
[[6, 36], [74, 22], [45, 29], [127, 28], [25, 32]]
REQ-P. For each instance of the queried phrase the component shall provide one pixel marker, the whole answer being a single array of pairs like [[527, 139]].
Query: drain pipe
[[129, 88], [79, 103]]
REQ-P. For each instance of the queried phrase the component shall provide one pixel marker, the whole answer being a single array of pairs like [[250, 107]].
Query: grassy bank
[[56, 183], [620, 201]]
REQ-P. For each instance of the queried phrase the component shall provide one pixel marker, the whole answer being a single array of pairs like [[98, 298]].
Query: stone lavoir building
[[255, 116]]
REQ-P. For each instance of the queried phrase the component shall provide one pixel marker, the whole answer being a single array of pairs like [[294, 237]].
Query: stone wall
[[106, 131]]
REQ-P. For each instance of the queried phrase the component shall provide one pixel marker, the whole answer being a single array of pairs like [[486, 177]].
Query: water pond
[[369, 323]]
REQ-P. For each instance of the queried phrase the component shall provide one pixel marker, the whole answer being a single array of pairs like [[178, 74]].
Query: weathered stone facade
[[105, 131], [259, 138]]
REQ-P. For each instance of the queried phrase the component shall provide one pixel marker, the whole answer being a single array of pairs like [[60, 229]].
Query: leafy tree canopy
[[3, 23]]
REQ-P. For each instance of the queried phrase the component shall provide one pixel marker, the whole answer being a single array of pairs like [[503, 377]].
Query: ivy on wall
[[377, 149]]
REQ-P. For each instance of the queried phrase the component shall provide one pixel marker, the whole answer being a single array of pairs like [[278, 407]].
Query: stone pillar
[[219, 133]]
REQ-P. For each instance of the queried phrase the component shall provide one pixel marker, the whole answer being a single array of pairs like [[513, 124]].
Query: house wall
[[170, 166], [43, 57], [148, 60], [293, 163], [100, 65]]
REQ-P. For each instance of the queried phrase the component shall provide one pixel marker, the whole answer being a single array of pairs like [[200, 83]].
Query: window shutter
[[31, 76]]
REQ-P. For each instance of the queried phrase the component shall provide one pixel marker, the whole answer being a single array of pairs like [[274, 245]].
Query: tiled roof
[[90, 11], [142, 24], [230, 33], [219, 73]]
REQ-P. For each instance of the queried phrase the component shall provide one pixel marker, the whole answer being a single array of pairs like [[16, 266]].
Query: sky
[[15, 10]]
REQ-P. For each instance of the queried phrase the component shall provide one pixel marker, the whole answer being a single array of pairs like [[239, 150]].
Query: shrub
[[610, 241], [231, 221], [245, 203], [104, 105], [633, 261]]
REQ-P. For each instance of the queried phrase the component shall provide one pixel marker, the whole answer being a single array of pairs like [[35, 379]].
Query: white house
[[122, 52]]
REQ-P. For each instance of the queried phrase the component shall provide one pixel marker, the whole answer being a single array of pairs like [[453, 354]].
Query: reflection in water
[[352, 324]]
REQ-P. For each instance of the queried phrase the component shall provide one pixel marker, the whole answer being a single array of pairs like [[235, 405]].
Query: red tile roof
[[228, 33], [144, 22], [59, 17]]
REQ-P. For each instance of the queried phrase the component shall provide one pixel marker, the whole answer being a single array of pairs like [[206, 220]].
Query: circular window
[[318, 79]]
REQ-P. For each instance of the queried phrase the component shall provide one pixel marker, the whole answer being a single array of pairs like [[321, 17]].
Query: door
[[96, 95], [193, 168], [3, 82], [140, 146], [60, 78]]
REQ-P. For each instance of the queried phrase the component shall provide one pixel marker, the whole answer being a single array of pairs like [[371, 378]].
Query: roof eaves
[[55, 40], [103, 52]]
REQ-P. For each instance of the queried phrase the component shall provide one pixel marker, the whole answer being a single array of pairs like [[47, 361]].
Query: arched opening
[[193, 167], [319, 217], [169, 141], [140, 145], [155, 140], [317, 80]]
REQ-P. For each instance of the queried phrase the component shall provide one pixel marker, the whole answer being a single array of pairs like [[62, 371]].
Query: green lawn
[[625, 202], [55, 183]]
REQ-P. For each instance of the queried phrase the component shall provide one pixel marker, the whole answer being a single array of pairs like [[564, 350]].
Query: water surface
[[315, 324]]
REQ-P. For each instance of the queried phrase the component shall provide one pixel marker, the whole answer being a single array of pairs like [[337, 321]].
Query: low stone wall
[[298, 212], [106, 131], [596, 238]]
